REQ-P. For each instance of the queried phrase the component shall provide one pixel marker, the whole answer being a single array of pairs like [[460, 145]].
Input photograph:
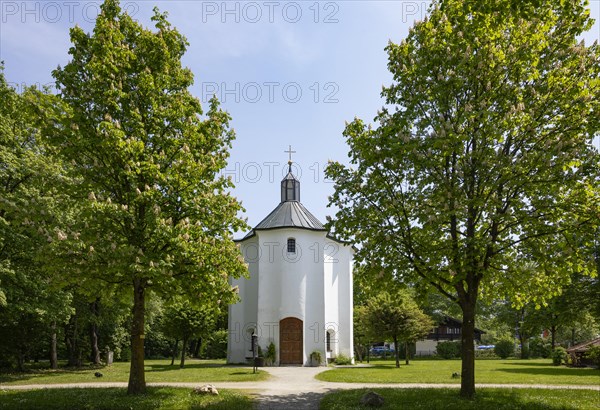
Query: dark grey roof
[[289, 214]]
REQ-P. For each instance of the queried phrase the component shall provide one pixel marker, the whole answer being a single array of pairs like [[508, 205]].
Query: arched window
[[329, 340], [291, 245]]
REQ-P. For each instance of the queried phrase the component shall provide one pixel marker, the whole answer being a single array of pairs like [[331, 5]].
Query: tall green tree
[[572, 312], [362, 332], [482, 156], [183, 321], [398, 317], [31, 302], [155, 214]]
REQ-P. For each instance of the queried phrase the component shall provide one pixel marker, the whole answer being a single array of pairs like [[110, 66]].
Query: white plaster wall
[[315, 286], [243, 315], [314, 324], [269, 290], [339, 256], [331, 283]]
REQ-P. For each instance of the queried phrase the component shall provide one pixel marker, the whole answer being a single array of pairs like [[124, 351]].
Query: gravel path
[[295, 387]]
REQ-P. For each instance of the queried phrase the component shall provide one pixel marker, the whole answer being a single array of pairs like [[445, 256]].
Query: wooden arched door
[[290, 341]]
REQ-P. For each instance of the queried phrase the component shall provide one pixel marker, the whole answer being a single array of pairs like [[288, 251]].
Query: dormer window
[[291, 245]]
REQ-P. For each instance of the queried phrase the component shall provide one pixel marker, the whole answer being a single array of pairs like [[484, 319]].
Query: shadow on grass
[[111, 398], [372, 366], [167, 367], [485, 399], [555, 371], [307, 400], [528, 364], [45, 372]]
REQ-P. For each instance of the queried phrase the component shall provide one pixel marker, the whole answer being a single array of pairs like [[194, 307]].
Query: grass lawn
[[492, 399], [536, 371], [112, 398], [156, 371]]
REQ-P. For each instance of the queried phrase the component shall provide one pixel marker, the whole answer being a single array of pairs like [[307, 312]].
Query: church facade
[[299, 292]]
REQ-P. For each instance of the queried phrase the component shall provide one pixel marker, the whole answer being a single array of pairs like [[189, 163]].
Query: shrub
[[504, 348], [156, 346], [485, 354], [593, 354], [316, 356], [538, 347], [271, 354], [216, 346], [342, 359], [448, 350], [559, 355]]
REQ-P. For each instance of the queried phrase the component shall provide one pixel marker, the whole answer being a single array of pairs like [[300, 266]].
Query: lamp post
[[254, 350]]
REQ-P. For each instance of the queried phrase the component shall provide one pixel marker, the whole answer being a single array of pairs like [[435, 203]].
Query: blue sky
[[289, 73]]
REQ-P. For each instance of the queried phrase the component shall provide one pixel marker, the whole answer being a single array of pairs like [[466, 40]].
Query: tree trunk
[[95, 351], [524, 347], [183, 350], [467, 376], [358, 348], [406, 352], [72, 342], [193, 347], [553, 336], [198, 346], [21, 361], [572, 337], [53, 349], [137, 378], [397, 351], [174, 352]]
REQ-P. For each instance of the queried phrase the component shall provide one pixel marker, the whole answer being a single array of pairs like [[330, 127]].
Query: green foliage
[[362, 331], [271, 355], [181, 320], [148, 161], [315, 356], [539, 347], [504, 348], [152, 209], [470, 182], [593, 354], [559, 356], [448, 350], [396, 316], [216, 345], [31, 301], [342, 360], [485, 354]]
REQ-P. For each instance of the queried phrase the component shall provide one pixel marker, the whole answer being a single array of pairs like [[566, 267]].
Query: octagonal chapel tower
[[299, 293]]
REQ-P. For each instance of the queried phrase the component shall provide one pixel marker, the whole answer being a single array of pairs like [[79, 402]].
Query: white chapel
[[299, 292]]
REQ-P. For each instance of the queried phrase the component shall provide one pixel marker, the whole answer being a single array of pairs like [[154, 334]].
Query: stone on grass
[[207, 389], [372, 399]]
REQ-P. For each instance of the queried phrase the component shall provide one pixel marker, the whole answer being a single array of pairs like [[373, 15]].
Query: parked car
[[485, 347], [380, 350]]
